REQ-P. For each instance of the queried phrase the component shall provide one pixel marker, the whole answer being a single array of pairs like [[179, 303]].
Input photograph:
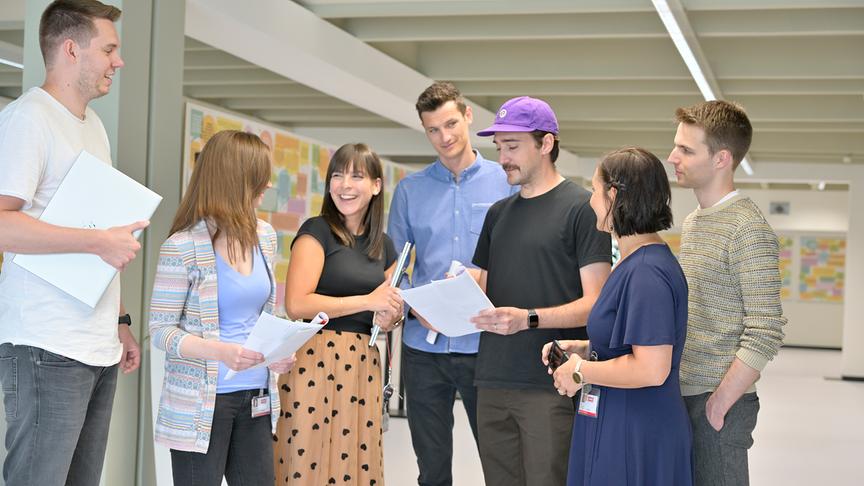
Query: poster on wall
[[823, 266], [299, 171], [787, 247]]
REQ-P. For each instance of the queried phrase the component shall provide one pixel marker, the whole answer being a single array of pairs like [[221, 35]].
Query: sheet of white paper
[[278, 338], [92, 195], [449, 304], [455, 269]]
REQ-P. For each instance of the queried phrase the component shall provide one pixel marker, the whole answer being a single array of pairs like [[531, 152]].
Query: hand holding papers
[[92, 195], [449, 304], [278, 339]]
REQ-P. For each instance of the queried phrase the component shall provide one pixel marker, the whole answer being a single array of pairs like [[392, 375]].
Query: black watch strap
[[533, 319], [124, 319]]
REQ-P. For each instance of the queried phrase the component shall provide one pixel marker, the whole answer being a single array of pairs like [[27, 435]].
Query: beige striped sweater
[[729, 254]]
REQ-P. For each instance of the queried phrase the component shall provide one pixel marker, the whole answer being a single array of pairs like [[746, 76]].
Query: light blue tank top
[[241, 300]]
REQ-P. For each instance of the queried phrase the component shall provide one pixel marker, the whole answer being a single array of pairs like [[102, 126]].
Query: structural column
[[853, 307]]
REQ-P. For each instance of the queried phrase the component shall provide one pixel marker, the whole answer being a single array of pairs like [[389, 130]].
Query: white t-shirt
[[39, 141]]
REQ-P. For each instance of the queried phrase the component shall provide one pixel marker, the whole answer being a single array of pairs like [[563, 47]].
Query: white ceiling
[[607, 67]]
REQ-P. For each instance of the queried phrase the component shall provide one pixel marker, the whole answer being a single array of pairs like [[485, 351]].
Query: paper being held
[[456, 268], [449, 304], [278, 338]]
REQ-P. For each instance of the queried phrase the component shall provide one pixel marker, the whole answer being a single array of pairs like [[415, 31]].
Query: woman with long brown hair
[[341, 263], [213, 281]]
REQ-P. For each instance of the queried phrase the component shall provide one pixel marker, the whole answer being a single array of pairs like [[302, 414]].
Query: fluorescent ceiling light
[[680, 41], [11, 63]]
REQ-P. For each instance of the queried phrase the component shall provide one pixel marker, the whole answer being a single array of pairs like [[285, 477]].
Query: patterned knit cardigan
[[185, 303]]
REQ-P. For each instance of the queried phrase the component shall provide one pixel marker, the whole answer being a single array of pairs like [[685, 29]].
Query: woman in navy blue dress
[[631, 427]]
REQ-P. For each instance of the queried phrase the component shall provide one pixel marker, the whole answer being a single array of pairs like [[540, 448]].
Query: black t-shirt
[[347, 271], [532, 250]]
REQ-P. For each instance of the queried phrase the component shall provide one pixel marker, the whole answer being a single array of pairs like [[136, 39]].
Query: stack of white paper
[[449, 304], [97, 196], [278, 338]]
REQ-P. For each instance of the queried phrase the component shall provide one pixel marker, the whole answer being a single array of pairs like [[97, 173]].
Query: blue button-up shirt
[[443, 217]]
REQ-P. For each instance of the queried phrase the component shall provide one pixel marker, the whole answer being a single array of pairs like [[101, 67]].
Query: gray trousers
[[524, 436], [720, 458], [57, 415]]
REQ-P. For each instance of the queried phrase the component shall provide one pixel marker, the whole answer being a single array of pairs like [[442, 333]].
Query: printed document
[[449, 304], [278, 338]]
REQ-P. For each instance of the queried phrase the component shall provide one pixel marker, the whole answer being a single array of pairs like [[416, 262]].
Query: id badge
[[260, 406], [589, 402]]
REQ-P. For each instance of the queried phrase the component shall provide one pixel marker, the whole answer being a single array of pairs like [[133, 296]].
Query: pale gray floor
[[810, 431]]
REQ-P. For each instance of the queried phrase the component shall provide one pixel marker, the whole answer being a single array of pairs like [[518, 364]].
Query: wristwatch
[[124, 319], [577, 375], [533, 319]]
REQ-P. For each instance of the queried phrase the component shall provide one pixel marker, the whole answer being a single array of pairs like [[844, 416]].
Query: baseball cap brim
[[503, 128]]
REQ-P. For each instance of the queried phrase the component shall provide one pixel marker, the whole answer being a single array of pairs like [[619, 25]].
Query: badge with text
[[260, 406], [589, 401]]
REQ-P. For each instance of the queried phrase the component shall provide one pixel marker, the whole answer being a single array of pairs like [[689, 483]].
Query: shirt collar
[[439, 171]]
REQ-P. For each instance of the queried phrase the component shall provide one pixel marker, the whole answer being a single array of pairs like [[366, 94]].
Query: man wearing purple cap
[[542, 263]]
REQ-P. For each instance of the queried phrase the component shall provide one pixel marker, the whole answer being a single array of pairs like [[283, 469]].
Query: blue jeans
[[431, 382], [57, 414], [241, 447]]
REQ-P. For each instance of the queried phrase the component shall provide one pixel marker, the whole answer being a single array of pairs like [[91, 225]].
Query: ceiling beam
[[216, 77], [579, 87], [212, 59], [768, 23], [636, 25], [353, 9], [785, 57], [317, 102], [553, 60], [288, 89], [11, 79]]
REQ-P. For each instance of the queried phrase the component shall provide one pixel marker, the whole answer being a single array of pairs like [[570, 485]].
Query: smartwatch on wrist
[[124, 319], [533, 319]]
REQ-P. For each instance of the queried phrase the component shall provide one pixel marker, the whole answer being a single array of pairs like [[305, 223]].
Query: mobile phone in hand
[[557, 355]]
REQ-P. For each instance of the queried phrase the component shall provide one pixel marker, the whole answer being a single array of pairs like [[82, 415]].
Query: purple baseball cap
[[523, 114]]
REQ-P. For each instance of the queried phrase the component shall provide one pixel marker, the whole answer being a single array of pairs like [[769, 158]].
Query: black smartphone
[[557, 355]]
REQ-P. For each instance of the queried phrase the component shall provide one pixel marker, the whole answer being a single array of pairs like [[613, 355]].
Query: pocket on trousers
[[740, 422], [9, 379], [47, 358]]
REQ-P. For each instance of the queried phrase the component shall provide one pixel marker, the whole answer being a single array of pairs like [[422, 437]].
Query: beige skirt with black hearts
[[330, 428]]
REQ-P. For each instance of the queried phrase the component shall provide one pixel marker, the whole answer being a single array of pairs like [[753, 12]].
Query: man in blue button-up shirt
[[441, 211]]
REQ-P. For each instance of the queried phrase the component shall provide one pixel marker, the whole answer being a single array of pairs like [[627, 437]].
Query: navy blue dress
[[640, 436]]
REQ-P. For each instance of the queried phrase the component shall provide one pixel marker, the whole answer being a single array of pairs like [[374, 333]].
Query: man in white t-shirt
[[59, 357]]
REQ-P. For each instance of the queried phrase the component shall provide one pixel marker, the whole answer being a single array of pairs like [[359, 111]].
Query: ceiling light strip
[[680, 40]]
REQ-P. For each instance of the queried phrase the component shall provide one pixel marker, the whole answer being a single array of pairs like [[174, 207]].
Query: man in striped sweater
[[729, 254]]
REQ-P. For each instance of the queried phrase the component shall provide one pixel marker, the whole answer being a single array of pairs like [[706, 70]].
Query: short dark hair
[[538, 140], [71, 19], [437, 94], [725, 124], [643, 195]]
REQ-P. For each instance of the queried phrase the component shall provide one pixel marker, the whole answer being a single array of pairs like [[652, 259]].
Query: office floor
[[810, 431]]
